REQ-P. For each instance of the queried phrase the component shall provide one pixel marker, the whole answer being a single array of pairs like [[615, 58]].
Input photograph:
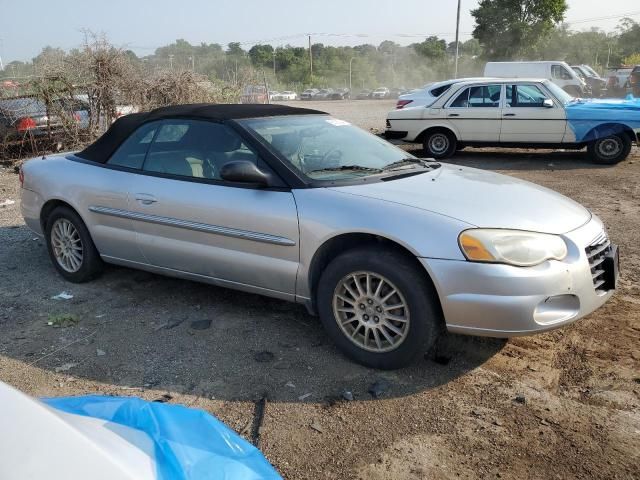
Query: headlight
[[514, 247]]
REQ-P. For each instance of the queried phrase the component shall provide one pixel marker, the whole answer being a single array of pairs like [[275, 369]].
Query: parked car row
[[326, 94], [515, 112]]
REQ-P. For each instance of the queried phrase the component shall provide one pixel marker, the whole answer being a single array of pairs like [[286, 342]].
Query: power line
[[610, 17]]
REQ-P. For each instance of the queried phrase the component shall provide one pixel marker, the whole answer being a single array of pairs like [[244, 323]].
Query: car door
[[188, 220], [526, 119], [475, 113], [105, 193]]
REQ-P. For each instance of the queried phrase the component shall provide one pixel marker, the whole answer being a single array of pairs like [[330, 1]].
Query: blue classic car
[[521, 113]]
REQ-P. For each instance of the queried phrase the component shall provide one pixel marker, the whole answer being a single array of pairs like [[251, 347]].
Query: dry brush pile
[[74, 97]]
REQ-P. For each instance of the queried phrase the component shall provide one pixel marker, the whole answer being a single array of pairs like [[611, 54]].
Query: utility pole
[[350, 70], [455, 75], [193, 62], [171, 61], [310, 62], [274, 63]]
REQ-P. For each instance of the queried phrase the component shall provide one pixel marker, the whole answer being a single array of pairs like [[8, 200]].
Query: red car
[[254, 94]]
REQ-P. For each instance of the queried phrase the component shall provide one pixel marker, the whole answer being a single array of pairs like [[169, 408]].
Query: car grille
[[596, 253]]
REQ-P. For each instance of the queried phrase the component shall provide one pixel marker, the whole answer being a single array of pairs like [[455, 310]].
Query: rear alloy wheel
[[611, 149], [70, 246], [378, 307], [439, 144]]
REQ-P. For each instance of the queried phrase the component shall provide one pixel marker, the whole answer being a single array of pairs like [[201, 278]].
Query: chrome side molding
[[198, 227]]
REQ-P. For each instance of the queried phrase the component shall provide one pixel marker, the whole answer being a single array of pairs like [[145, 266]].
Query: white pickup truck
[[520, 113]]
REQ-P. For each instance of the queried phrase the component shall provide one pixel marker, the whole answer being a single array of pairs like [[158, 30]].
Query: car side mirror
[[243, 171], [547, 102]]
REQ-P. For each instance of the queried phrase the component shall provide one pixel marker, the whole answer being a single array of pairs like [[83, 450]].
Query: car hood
[[480, 198], [584, 116], [629, 105]]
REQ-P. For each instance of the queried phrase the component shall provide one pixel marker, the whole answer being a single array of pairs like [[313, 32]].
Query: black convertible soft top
[[103, 148]]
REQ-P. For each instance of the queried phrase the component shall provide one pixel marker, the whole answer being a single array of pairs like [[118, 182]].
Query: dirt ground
[[564, 404]]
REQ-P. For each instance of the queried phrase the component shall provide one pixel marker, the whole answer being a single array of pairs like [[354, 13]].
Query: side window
[[194, 148], [559, 72], [133, 150], [485, 96], [525, 96], [478, 97], [436, 92], [462, 100]]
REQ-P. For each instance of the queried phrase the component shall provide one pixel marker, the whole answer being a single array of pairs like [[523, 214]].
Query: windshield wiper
[[353, 168], [408, 161]]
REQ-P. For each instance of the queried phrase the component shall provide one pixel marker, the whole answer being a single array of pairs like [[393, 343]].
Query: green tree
[[509, 29], [261, 55], [234, 49], [433, 48], [633, 59], [629, 39]]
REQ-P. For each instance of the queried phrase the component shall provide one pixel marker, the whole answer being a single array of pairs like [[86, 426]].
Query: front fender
[[324, 214]]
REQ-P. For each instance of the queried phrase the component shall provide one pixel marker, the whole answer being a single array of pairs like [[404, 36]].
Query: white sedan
[[428, 94], [287, 95], [520, 113]]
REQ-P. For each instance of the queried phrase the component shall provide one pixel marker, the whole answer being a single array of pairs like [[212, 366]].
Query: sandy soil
[[565, 404]]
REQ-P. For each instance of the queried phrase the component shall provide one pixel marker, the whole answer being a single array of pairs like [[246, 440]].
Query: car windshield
[[590, 71], [558, 92], [325, 148]]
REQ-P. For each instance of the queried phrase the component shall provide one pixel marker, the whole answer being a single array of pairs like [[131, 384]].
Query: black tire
[[424, 313], [439, 144], [91, 265], [611, 149]]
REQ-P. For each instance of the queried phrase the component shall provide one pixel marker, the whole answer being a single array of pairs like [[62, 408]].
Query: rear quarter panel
[[82, 184], [414, 121]]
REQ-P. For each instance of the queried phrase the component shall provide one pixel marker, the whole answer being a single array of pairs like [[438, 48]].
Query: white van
[[559, 73]]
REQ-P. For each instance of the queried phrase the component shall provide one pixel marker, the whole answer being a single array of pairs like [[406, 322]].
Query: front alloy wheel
[[371, 311], [379, 306]]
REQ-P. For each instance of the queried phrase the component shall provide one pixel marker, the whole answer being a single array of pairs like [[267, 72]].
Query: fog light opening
[[556, 309]]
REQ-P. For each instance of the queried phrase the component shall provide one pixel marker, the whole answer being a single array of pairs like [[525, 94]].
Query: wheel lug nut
[[369, 301], [379, 309], [362, 307], [366, 317], [376, 319]]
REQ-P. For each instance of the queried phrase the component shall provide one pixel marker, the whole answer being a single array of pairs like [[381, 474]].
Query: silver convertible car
[[387, 248]]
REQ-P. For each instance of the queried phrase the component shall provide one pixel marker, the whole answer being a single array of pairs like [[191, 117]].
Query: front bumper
[[505, 301]]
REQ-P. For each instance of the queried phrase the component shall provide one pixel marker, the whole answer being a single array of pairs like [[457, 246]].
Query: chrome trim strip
[[198, 227]]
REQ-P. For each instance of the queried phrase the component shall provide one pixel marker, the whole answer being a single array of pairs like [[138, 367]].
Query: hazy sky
[[143, 25]]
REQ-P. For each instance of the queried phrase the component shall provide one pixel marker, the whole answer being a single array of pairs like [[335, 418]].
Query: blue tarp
[[584, 116], [189, 444]]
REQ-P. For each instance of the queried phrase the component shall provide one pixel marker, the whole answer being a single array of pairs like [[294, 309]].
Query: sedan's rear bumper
[[394, 134], [506, 301], [31, 205]]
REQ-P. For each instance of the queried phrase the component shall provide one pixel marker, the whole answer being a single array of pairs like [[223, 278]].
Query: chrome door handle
[[509, 114], [454, 115], [145, 199]]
